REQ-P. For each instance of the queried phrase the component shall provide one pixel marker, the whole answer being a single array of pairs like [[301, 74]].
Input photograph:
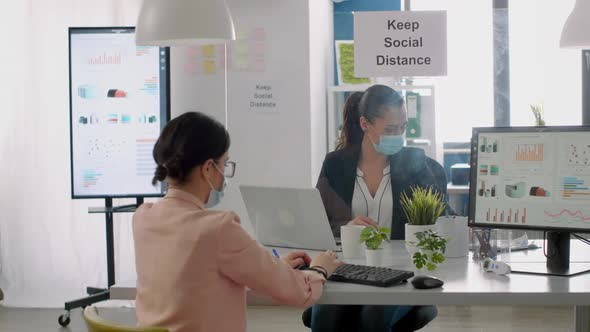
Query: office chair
[[97, 324], [416, 319]]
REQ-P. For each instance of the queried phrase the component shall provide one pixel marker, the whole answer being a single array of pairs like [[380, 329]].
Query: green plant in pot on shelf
[[373, 238], [431, 250], [539, 114], [422, 208]]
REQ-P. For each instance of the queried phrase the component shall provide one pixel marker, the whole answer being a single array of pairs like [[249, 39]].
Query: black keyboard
[[370, 275]]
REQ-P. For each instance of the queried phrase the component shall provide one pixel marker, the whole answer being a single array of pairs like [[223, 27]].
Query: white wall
[[272, 148], [193, 90], [321, 36]]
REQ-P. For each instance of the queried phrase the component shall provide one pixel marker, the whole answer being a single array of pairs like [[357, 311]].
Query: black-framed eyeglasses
[[230, 169]]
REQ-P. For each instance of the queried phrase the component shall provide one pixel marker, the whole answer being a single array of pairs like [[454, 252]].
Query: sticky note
[[209, 67], [208, 51]]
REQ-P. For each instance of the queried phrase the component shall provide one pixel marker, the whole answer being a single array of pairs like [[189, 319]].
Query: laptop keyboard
[[370, 275]]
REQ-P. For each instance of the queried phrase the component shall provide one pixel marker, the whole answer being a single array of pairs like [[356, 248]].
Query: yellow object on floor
[[97, 324]]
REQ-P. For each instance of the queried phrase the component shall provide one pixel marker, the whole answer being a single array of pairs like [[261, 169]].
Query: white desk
[[465, 284]]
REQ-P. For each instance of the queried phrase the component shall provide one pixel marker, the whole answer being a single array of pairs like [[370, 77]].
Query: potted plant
[[373, 238], [422, 210], [431, 250], [539, 113]]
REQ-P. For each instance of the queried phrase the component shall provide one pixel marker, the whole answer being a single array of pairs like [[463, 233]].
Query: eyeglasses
[[230, 169], [396, 129]]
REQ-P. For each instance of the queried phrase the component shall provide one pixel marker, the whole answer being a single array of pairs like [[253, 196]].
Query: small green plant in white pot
[[422, 210], [373, 238], [431, 250]]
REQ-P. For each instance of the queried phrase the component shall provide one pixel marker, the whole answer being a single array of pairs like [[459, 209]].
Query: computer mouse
[[426, 282]]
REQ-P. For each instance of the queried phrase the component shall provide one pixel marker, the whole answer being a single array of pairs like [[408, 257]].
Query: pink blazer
[[193, 267]]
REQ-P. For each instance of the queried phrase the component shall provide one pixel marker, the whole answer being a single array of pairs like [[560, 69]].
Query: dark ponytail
[[161, 174], [351, 133], [186, 142]]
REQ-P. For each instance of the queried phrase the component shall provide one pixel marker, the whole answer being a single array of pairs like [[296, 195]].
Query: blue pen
[[276, 253]]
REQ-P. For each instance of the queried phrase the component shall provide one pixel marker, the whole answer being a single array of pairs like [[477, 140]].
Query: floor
[[281, 319]]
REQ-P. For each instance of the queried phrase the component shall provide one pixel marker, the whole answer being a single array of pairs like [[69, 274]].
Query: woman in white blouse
[[361, 184]]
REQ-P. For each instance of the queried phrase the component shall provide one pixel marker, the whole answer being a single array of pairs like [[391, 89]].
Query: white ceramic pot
[[374, 257], [411, 231], [350, 236]]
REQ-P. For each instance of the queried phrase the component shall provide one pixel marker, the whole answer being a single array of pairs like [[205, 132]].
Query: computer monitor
[[533, 178], [119, 103]]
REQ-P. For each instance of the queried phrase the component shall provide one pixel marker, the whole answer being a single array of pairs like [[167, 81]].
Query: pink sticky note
[[191, 51], [259, 65], [190, 68], [257, 48], [259, 34]]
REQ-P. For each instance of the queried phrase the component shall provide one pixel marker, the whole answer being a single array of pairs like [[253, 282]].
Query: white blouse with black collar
[[378, 208]]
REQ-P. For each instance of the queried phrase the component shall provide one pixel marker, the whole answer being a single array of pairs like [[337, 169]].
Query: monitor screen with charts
[[531, 178], [118, 105]]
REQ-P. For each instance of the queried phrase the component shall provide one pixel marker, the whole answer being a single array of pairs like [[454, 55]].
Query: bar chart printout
[[106, 59], [509, 216], [529, 153]]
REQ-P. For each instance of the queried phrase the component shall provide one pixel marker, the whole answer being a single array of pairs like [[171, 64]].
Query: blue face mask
[[215, 195], [389, 144]]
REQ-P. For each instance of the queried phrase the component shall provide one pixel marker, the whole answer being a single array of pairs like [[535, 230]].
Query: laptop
[[289, 217]]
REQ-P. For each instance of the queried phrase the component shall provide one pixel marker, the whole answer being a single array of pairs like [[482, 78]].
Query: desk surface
[[465, 283]]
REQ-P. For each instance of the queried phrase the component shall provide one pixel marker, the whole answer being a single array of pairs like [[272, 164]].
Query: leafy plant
[[373, 237], [539, 113], [424, 207], [432, 250]]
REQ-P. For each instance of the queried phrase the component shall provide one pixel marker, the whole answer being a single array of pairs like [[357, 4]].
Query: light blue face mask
[[389, 144], [215, 195]]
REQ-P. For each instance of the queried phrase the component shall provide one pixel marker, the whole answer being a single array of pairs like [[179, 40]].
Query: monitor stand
[[558, 259]]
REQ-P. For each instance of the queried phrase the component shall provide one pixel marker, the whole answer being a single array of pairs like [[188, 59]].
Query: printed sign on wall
[[395, 43]]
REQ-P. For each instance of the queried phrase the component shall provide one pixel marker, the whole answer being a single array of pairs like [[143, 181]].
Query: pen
[[276, 253]]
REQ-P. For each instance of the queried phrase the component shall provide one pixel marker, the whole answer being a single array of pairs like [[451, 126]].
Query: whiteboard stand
[[101, 294]]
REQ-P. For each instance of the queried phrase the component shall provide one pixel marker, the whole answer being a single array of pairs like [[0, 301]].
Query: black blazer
[[409, 167]]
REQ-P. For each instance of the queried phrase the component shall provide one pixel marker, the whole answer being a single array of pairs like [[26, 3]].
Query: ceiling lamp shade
[[576, 30], [184, 23]]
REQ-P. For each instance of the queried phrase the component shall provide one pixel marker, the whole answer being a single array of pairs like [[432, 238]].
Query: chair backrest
[[97, 324]]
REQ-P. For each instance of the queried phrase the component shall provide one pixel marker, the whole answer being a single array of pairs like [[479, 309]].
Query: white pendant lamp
[[184, 23], [576, 30]]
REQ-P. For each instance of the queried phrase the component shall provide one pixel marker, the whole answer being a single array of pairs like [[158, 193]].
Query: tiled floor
[[279, 319]]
